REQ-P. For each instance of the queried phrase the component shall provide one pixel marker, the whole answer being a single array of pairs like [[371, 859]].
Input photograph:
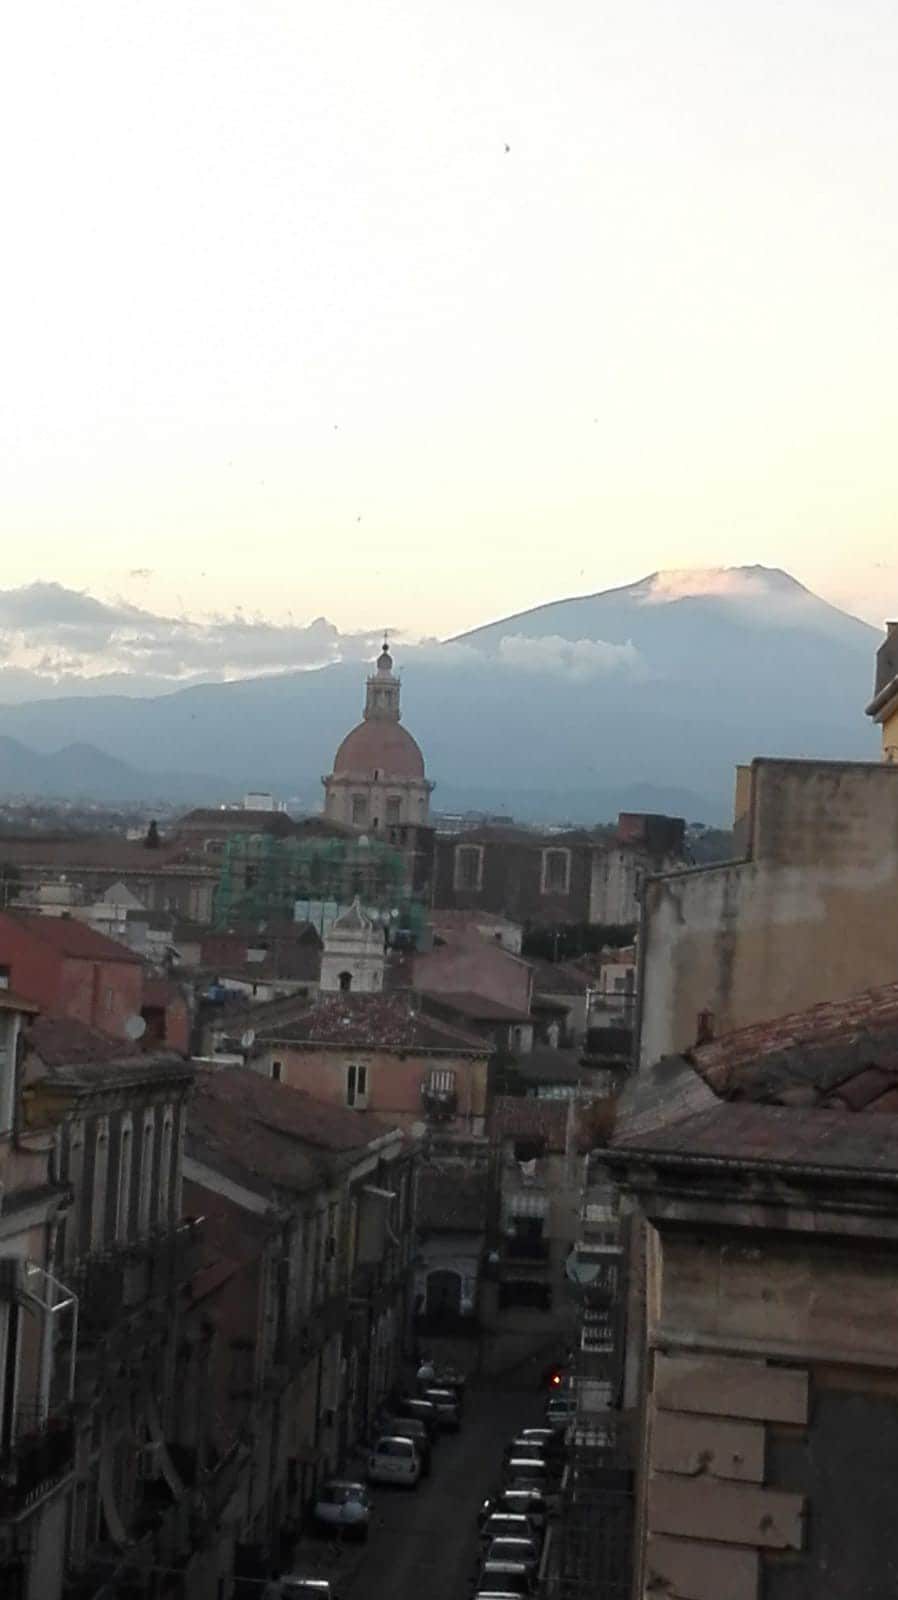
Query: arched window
[[165, 1151], [146, 1170], [98, 1193], [345, 982], [123, 1195]]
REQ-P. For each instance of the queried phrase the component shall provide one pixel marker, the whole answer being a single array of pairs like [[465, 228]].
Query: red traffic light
[[555, 1380]]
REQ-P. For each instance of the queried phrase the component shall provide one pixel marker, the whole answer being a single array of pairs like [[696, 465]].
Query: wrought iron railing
[[41, 1454]]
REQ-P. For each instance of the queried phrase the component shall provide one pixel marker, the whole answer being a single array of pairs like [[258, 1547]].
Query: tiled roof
[[526, 1117], [367, 1022], [252, 1100], [104, 852], [559, 977], [843, 1053], [759, 1136], [71, 938], [63, 1041], [477, 1006], [11, 1001], [121, 1072], [453, 1198]]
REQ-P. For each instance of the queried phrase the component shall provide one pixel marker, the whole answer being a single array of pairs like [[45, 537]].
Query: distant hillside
[[82, 772], [656, 691]]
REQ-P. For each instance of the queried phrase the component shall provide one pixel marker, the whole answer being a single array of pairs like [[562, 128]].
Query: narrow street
[[423, 1542]]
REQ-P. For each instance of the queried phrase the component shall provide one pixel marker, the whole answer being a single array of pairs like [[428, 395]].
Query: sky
[[418, 315]]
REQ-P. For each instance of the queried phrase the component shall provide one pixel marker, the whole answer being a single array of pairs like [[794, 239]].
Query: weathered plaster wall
[[808, 917]]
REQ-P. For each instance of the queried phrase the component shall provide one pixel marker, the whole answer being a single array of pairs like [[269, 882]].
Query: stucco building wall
[[394, 1081], [807, 916]]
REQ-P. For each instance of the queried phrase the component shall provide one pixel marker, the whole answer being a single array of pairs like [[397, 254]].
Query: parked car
[[546, 1437], [526, 1472], [413, 1405], [506, 1525], [295, 1586], [449, 1378], [514, 1549], [447, 1408], [527, 1502], [506, 1577], [394, 1460], [520, 1447], [415, 1429], [343, 1506]]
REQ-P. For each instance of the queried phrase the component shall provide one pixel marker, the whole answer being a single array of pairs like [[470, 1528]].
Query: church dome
[[384, 747]]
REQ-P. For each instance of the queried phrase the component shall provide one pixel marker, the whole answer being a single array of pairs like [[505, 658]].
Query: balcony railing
[[118, 1281], [41, 1455]]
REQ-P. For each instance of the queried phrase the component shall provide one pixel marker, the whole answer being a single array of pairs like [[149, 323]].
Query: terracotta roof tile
[[69, 937], [63, 1041], [366, 1022]]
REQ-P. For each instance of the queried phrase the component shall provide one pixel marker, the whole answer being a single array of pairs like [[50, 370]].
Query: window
[[394, 808], [277, 1068], [98, 1195], [357, 1086], [165, 1152], [556, 872], [123, 1197], [359, 809], [441, 1081], [109, 1000], [146, 1170], [468, 866], [345, 982], [4, 976]]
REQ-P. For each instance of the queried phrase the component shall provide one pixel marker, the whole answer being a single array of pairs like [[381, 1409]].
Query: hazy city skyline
[[292, 328]]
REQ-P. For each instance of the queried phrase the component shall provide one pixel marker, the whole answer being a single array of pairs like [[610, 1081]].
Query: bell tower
[[382, 699]]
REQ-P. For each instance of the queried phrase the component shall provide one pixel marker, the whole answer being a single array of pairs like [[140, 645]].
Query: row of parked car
[[513, 1520], [406, 1434]]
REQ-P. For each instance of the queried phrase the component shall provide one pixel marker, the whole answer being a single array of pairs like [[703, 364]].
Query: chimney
[[891, 629]]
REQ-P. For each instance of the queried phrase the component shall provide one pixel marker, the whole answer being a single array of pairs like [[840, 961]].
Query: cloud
[[547, 653], [571, 658], [56, 632]]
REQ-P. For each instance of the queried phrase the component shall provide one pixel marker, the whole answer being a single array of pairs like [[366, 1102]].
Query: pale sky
[[286, 327]]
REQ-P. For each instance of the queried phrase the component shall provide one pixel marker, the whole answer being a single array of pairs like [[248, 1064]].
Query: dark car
[[506, 1577], [446, 1407], [523, 1448], [515, 1549], [526, 1472], [416, 1429], [413, 1405], [505, 1525], [523, 1502]]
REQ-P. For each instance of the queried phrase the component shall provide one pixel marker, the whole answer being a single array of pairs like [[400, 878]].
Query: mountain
[[82, 772], [656, 689]]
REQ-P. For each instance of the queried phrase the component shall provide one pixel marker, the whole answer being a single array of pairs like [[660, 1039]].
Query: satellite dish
[[248, 1039], [135, 1027], [418, 1130]]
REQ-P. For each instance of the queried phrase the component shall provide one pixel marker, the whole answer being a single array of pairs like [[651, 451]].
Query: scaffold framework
[[265, 879]]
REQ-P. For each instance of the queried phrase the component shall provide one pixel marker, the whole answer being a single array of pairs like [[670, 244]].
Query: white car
[[343, 1507], [394, 1460]]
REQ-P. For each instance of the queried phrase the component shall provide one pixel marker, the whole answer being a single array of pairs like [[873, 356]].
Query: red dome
[[383, 747]]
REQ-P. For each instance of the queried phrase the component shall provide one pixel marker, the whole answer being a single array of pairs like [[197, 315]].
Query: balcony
[[41, 1457], [121, 1280]]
